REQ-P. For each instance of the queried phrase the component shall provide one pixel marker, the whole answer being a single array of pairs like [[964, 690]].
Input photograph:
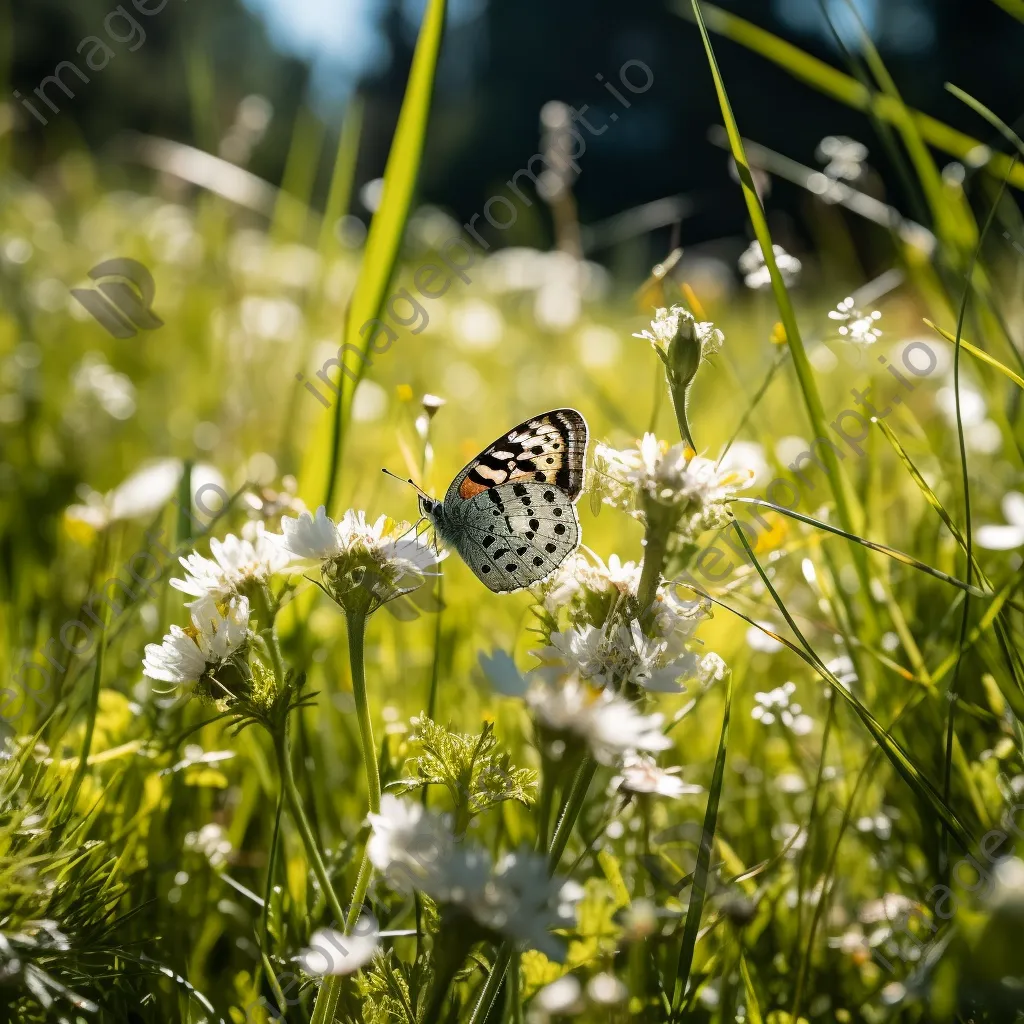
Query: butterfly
[[511, 512]]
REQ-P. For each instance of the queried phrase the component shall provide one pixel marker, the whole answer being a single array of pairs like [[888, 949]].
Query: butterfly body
[[510, 513]]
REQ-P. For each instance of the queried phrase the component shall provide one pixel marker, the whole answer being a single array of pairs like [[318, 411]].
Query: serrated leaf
[[473, 770]]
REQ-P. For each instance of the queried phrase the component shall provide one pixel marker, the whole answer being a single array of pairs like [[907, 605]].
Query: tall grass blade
[[884, 549], [842, 87], [897, 756], [339, 194], [804, 372], [383, 245], [978, 354], [698, 891]]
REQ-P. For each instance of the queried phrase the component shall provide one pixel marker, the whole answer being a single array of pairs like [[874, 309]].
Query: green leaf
[[476, 774]]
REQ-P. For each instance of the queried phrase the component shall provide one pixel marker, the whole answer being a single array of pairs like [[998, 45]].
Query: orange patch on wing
[[470, 489]]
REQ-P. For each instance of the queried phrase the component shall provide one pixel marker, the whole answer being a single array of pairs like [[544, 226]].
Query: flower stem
[[268, 894], [356, 621], [573, 806], [266, 605], [298, 813], [655, 552], [330, 990]]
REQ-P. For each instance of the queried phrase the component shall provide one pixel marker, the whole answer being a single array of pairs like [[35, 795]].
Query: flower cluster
[[215, 637], [362, 566], [755, 270], [668, 324], [654, 476], [633, 649], [237, 561], [856, 325], [515, 898], [610, 726], [618, 655], [641, 775], [776, 704]]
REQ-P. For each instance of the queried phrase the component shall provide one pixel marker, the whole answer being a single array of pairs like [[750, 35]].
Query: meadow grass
[[843, 846]]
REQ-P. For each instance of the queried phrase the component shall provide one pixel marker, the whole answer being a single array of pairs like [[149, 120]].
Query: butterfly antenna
[[406, 480]]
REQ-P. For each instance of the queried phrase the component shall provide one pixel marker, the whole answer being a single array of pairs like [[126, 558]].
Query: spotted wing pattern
[[515, 534], [550, 449]]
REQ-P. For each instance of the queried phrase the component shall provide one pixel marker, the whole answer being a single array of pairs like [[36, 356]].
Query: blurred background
[[235, 150], [500, 64]]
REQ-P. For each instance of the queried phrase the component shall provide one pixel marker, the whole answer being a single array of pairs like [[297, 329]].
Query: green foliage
[[159, 855], [477, 774]]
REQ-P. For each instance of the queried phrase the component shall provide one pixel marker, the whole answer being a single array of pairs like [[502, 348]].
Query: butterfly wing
[[515, 534], [550, 449]]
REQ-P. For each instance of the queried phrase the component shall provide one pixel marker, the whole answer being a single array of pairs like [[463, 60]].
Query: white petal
[[999, 538], [1013, 508], [333, 952]]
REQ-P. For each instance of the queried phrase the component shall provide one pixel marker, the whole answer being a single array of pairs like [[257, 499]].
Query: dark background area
[[201, 57]]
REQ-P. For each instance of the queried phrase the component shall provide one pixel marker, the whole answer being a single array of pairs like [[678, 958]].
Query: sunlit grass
[[158, 860]]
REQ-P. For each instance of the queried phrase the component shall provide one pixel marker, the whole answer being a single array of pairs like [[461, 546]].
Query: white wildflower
[[654, 474], [408, 844], [142, 493], [641, 774], [212, 842], [186, 655], [610, 726], [94, 378], [755, 270], [776, 704], [1011, 535], [712, 669], [606, 990], [235, 563], [668, 322], [334, 952], [843, 669], [1007, 891], [363, 565], [579, 579], [857, 325], [518, 899], [560, 997], [616, 655], [892, 907], [758, 640], [844, 157], [523, 902], [311, 537]]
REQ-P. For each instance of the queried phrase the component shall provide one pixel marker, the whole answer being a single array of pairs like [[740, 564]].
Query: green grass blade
[[979, 108], [384, 243], [750, 994], [897, 756], [1015, 8], [843, 87], [291, 211], [944, 214], [805, 375], [915, 474], [978, 354], [884, 549], [698, 892], [339, 194]]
